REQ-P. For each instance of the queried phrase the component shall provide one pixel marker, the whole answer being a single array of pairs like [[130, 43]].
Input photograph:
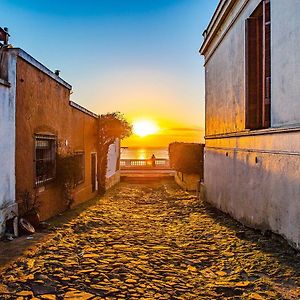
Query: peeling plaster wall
[[113, 161], [43, 107], [7, 145], [225, 68], [254, 176], [256, 180], [225, 75]]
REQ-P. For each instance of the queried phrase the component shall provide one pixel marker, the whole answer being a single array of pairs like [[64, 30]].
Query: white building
[[252, 156], [8, 206], [113, 164]]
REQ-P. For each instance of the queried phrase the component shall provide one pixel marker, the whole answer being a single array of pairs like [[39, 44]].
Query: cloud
[[187, 129]]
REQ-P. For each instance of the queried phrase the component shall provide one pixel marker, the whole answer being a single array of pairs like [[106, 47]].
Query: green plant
[[186, 157], [29, 206], [29, 201], [68, 175]]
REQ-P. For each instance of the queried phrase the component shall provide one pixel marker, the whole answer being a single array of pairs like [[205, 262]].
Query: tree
[[111, 126]]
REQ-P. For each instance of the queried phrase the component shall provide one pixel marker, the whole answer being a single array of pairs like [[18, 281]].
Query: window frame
[[258, 68], [81, 153], [53, 140]]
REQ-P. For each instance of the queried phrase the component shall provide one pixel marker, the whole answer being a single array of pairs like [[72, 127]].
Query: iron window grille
[[45, 159]]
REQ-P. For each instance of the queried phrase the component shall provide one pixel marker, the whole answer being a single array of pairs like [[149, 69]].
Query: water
[[144, 153]]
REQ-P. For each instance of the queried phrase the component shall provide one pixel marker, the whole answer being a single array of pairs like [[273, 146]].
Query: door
[[94, 171]]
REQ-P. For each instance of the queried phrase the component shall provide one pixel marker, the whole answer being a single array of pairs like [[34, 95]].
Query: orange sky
[[157, 95], [168, 132], [164, 139]]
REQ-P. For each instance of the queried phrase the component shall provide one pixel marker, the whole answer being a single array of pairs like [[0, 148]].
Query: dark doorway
[[94, 171]]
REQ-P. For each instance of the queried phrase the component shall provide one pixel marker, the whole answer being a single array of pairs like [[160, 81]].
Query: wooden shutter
[[253, 94]]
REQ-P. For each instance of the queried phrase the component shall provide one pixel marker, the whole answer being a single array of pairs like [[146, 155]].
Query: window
[[44, 159], [258, 67], [79, 161]]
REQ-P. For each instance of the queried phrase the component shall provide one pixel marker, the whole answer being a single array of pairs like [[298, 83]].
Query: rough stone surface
[[154, 241]]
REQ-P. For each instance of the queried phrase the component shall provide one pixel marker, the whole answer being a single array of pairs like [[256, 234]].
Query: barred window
[[45, 155]]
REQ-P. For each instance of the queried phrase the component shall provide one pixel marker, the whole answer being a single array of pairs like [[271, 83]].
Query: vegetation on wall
[[111, 126], [28, 201], [29, 206], [68, 175], [186, 157]]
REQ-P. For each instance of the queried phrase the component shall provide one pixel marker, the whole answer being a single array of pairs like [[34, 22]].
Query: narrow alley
[[154, 241]]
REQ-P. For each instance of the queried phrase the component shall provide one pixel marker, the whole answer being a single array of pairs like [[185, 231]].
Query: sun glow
[[144, 128]]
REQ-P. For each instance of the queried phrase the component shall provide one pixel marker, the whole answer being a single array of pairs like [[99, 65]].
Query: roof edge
[[223, 9], [83, 109], [28, 58]]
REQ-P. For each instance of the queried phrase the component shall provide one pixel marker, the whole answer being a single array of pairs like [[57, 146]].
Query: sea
[[143, 153]]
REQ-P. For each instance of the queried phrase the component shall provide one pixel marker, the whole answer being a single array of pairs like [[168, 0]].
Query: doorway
[[94, 172]]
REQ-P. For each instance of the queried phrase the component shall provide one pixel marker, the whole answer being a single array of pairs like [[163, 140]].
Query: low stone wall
[[188, 182], [112, 180]]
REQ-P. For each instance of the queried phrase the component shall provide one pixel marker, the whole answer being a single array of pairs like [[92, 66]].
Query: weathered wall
[[225, 76], [254, 176], [225, 69], [113, 158], [112, 180], [7, 143], [259, 188], [285, 62], [43, 107], [113, 164]]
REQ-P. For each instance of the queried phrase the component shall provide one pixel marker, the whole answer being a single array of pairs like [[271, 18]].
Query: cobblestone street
[[154, 241]]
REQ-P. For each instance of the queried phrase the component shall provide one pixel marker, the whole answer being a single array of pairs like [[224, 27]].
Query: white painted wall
[[113, 158], [7, 145], [225, 75], [285, 62], [225, 69], [255, 176], [256, 180]]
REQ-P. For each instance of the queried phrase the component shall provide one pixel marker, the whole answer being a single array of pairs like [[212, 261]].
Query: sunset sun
[[143, 128]]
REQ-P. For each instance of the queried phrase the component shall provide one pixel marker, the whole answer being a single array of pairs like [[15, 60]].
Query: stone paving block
[[154, 241]]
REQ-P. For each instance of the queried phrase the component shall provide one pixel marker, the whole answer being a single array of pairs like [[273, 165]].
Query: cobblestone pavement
[[153, 241]]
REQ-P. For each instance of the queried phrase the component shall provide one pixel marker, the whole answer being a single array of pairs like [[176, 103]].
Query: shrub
[[186, 157], [68, 175]]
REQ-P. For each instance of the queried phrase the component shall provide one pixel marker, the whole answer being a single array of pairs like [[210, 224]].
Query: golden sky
[[167, 132]]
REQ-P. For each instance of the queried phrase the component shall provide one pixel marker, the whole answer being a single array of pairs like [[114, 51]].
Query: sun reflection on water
[[142, 153]]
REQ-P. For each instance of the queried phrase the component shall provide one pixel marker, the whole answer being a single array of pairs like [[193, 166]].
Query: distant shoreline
[[144, 152], [141, 147]]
